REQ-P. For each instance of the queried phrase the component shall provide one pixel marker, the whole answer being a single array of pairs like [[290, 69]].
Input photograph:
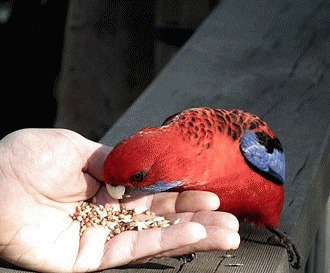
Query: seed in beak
[[116, 192]]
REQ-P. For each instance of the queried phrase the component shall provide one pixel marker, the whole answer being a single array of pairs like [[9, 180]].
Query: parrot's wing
[[265, 154]]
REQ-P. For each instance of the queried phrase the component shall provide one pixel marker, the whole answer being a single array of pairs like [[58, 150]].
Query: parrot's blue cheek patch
[[159, 186]]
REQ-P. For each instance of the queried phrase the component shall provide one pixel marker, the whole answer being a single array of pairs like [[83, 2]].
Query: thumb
[[94, 155]]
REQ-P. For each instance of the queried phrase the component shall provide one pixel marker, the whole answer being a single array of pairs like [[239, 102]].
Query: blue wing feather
[[271, 161]]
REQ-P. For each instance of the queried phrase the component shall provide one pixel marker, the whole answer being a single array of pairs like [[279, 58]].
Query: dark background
[[32, 43], [31, 47]]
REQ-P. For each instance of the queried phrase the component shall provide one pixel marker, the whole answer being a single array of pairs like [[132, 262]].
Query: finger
[[92, 153], [91, 249], [95, 155], [167, 203], [217, 218], [103, 198], [172, 202], [207, 218], [218, 239], [197, 201], [130, 246], [92, 157]]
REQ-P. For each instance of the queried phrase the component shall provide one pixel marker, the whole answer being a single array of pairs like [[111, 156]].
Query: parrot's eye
[[139, 176]]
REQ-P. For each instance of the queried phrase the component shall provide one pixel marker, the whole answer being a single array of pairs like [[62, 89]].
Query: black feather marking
[[229, 131], [237, 129], [208, 123], [221, 119], [220, 129], [234, 135], [269, 143], [233, 116], [253, 125]]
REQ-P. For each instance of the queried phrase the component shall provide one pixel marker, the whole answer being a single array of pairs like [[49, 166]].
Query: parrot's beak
[[119, 192], [116, 192]]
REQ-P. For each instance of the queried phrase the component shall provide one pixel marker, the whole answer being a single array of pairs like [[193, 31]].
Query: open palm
[[45, 173]]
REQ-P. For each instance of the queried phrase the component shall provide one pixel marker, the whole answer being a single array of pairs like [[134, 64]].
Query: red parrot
[[232, 153]]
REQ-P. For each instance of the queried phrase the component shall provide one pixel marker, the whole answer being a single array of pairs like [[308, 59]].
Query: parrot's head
[[135, 165]]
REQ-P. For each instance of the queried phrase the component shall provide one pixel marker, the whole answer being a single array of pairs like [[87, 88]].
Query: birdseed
[[117, 220]]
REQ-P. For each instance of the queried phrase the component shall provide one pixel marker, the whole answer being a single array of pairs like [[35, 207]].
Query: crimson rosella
[[232, 153]]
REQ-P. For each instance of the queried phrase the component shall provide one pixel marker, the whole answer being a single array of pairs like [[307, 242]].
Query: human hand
[[45, 173]]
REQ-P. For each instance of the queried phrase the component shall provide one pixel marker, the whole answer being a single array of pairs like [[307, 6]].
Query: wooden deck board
[[271, 58]]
